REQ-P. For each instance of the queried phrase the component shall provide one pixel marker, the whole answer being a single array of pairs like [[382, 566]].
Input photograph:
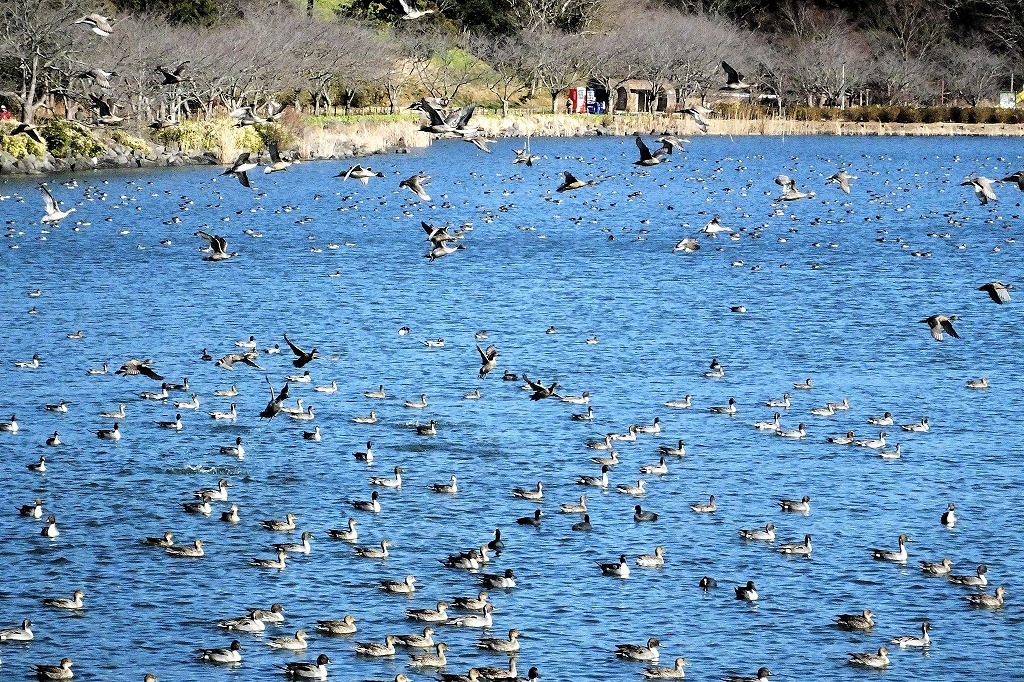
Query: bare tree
[[441, 65], [568, 15], [560, 59], [514, 66], [972, 74], [916, 26]]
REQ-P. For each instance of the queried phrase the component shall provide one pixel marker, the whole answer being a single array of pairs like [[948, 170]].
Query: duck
[[436, 615], [884, 420], [472, 395], [348, 534], [301, 547], [683, 404], [303, 416], [705, 508], [505, 646], [50, 529], [779, 402], [583, 526], [94, 371], [73, 604], [20, 634], [306, 670], [475, 620], [838, 407], [978, 384], [10, 426], [937, 567], [659, 469], [879, 660], [344, 626], [637, 490], [434, 660], [175, 425], [120, 414], [639, 652], [62, 671], [729, 409], [663, 673], [629, 436], [873, 443], [827, 411], [304, 378], [417, 641], [799, 432], [278, 563], [899, 556], [595, 481], [905, 641], [641, 515], [611, 460], [368, 419], [716, 370], [747, 592], [371, 505], [656, 560], [278, 525], [386, 482], [192, 404], [156, 395], [582, 399], [979, 579], [218, 494], [230, 415], [417, 404], [917, 427], [232, 654], [948, 518], [40, 466], [988, 601], [293, 409], [34, 510], [428, 429], [449, 488], [296, 643], [848, 439], [194, 550], [803, 505], [532, 495], [773, 425], [236, 450], [373, 552], [864, 620], [572, 508], [707, 583], [230, 392], [230, 516], [61, 406], [504, 581], [797, 548], [476, 603], [496, 545], [762, 676], [806, 385], [275, 614], [617, 569], [202, 507], [766, 534], [165, 540], [678, 451], [603, 444], [29, 364], [587, 416], [366, 455], [313, 435], [495, 673], [533, 520], [406, 586], [244, 624]]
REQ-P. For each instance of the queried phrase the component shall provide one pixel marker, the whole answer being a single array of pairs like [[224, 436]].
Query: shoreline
[[364, 138]]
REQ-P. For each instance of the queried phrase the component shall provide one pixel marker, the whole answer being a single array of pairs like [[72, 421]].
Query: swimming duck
[[826, 411], [582, 399], [604, 444], [368, 419], [235, 450], [22, 634], [11, 426], [472, 395], [680, 404], [473, 675], [899, 556], [349, 534], [313, 435], [905, 641], [978, 383], [747, 592], [165, 540], [39, 466], [417, 404], [61, 406], [611, 460], [637, 490], [949, 516], [55, 672], [654, 427], [438, 615], [708, 508], [301, 547], [919, 427], [533, 495], [802, 505], [629, 436], [505, 646], [386, 482], [34, 510], [434, 660], [278, 563], [329, 388], [192, 404], [617, 569], [72, 604], [304, 416], [475, 620], [476, 603], [345, 626], [304, 378], [977, 580], [799, 432], [417, 641], [533, 520], [707, 583], [218, 494], [716, 370], [244, 624], [306, 670], [798, 548], [371, 505], [278, 525], [505, 581], [98, 370], [296, 643], [595, 481], [157, 395], [120, 414], [872, 443], [186, 551], [766, 534], [988, 601], [641, 515], [175, 425], [570, 508], [450, 488], [406, 586], [804, 386], [937, 567], [856, 621], [583, 416], [29, 364], [729, 409], [655, 560], [783, 402], [663, 673], [848, 439], [639, 652], [373, 552], [202, 507], [678, 451], [584, 525], [884, 420], [837, 407], [429, 429], [367, 455], [879, 660], [230, 516], [275, 614], [231, 414], [50, 529], [773, 425], [232, 654]]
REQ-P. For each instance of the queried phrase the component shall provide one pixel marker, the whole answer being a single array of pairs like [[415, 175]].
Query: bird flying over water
[[998, 291], [218, 247], [240, 168], [98, 23], [660, 155], [571, 182], [415, 185], [941, 323], [734, 79], [302, 357], [136, 367], [53, 212], [842, 178], [982, 188]]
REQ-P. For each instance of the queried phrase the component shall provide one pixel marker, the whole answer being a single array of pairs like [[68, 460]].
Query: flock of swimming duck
[[475, 612]]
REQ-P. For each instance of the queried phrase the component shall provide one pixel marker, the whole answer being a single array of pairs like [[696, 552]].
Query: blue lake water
[[843, 311]]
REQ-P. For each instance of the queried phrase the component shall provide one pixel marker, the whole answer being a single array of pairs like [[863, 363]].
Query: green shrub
[[908, 115], [935, 114], [67, 138], [126, 140], [19, 146]]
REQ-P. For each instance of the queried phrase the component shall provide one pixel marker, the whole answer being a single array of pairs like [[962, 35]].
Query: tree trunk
[[309, 9], [504, 108]]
